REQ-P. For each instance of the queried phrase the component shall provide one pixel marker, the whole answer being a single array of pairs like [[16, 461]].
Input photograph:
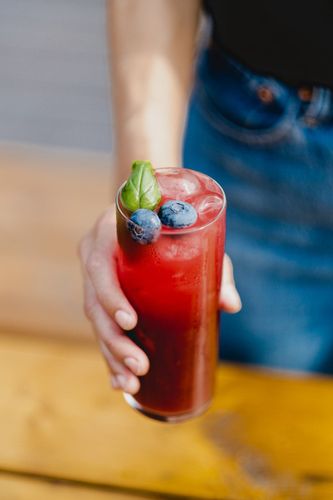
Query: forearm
[[152, 46]]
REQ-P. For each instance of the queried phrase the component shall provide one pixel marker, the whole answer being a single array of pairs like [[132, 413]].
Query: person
[[255, 113]]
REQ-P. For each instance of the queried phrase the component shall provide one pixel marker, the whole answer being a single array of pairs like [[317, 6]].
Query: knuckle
[[143, 369], [85, 241], [228, 263], [227, 259], [95, 263], [118, 345], [145, 365], [133, 385], [89, 310], [111, 343]]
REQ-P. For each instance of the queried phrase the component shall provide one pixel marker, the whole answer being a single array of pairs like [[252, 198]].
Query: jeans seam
[[254, 136]]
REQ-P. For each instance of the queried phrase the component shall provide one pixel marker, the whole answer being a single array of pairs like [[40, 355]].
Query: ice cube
[[179, 186], [185, 247], [207, 206], [210, 185]]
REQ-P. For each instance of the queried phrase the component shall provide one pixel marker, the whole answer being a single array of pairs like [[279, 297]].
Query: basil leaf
[[141, 190]]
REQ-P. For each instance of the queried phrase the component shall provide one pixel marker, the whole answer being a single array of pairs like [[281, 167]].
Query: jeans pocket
[[244, 106]]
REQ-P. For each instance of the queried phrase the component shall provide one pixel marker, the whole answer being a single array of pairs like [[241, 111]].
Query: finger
[[121, 348], [121, 378], [100, 264], [229, 299]]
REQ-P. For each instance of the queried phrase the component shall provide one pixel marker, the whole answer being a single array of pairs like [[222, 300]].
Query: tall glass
[[173, 284]]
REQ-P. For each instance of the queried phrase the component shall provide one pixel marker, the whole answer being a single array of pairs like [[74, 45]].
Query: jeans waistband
[[317, 101]]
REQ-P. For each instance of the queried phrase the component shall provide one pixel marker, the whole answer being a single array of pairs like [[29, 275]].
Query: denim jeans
[[270, 146]]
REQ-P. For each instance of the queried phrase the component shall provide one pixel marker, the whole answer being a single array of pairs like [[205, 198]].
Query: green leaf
[[141, 190]]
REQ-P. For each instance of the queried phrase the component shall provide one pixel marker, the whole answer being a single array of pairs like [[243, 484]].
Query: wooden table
[[65, 434]]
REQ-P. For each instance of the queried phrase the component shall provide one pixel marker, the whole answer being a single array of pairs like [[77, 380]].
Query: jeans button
[[265, 94], [305, 94]]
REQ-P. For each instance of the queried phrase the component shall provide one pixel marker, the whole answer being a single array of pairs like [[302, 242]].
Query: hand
[[229, 300], [110, 312], [106, 306]]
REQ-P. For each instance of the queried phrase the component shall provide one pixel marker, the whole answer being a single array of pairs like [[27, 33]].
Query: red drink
[[174, 284]]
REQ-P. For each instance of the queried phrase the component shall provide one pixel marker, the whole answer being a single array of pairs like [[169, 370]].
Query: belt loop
[[326, 108], [318, 107]]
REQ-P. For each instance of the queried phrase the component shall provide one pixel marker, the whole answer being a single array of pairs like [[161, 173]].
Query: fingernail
[[124, 319], [232, 298], [132, 364], [118, 381]]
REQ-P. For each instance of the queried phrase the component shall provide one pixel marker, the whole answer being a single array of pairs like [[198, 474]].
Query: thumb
[[229, 299]]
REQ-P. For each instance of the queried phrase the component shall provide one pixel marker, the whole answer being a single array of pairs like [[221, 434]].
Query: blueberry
[[144, 226], [175, 213]]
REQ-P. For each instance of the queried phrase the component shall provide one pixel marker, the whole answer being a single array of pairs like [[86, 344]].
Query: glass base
[[171, 419]]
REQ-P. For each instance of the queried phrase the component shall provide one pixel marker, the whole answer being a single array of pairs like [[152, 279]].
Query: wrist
[[160, 151]]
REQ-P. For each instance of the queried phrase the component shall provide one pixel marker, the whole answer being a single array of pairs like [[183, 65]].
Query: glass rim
[[184, 230]]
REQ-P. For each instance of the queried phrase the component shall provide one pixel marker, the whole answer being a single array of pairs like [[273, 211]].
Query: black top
[[289, 39]]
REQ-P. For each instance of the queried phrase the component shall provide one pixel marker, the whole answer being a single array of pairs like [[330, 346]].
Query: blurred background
[[54, 87], [55, 156]]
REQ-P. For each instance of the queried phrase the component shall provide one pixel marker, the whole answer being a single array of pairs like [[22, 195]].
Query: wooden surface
[[14, 487], [266, 437]]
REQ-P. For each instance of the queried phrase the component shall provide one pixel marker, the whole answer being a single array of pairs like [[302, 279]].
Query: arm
[[152, 52], [152, 46]]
